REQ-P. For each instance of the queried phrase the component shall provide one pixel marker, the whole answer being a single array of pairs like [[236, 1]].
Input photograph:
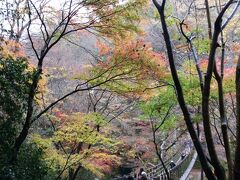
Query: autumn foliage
[[132, 67]]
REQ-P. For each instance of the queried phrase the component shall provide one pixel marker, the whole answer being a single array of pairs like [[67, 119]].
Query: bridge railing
[[158, 169], [180, 171], [176, 172]]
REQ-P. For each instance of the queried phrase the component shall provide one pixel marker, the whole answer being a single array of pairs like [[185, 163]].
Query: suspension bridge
[[180, 171]]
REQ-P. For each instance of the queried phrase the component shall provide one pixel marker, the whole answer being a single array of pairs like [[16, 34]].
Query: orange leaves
[[187, 26], [228, 74], [137, 55], [228, 71], [203, 64], [235, 47], [104, 49], [132, 48], [104, 162], [60, 115], [132, 66]]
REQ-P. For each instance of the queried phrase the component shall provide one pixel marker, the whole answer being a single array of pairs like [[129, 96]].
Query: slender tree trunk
[[219, 170], [224, 123], [236, 175], [208, 20], [74, 173], [224, 126], [23, 134], [221, 97], [159, 153], [162, 162], [180, 96]]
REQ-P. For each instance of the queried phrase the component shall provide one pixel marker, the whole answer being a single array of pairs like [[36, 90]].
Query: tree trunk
[[74, 173], [180, 96], [221, 96], [236, 175], [23, 134], [224, 126], [219, 170], [159, 154]]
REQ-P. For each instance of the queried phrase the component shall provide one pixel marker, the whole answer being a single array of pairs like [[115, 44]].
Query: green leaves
[[159, 109], [190, 84], [95, 118], [15, 80], [116, 19], [202, 45], [79, 128], [72, 140]]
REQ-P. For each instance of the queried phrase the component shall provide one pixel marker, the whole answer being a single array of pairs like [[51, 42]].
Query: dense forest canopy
[[101, 88]]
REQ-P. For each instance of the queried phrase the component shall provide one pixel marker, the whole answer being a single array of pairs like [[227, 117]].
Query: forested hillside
[[119, 89]]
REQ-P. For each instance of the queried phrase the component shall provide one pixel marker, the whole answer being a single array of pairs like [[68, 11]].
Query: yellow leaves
[[42, 85], [15, 51], [233, 26], [78, 132], [81, 127], [95, 118], [75, 134], [11, 48], [42, 89], [47, 145]]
